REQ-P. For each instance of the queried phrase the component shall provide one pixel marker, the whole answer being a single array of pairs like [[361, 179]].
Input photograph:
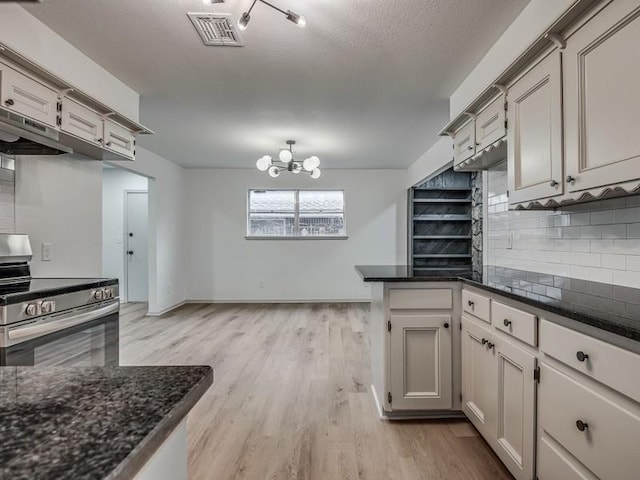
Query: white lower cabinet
[[513, 373], [420, 361], [478, 399], [498, 395]]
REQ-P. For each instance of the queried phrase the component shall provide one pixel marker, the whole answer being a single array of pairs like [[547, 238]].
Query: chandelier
[[286, 162]]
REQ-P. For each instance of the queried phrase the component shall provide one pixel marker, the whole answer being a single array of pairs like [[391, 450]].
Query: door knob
[[470, 303], [506, 322], [131, 234], [553, 183], [446, 325], [130, 252], [571, 180], [484, 341], [581, 356], [490, 345], [9, 102], [470, 147]]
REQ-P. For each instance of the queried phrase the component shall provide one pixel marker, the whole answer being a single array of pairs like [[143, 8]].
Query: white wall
[[114, 183], [24, 33], [534, 19], [167, 235], [224, 266], [59, 201], [439, 155]]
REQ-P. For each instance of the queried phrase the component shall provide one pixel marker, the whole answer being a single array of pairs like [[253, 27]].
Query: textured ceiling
[[365, 85]]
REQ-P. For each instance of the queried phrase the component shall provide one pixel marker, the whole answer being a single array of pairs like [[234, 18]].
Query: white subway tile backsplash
[[598, 241]]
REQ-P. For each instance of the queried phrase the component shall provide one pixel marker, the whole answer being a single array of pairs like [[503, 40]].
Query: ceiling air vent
[[216, 29]]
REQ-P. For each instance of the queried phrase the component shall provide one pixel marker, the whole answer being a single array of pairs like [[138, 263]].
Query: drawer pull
[[582, 426], [490, 345], [507, 322], [9, 102], [446, 325], [484, 341], [470, 303], [581, 356]]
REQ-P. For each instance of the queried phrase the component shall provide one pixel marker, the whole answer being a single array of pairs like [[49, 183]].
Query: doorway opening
[[125, 227]]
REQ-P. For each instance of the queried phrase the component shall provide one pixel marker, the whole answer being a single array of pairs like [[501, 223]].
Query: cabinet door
[[534, 146], [515, 433], [478, 402], [82, 122], [21, 94], [420, 362], [119, 139], [602, 98], [464, 143], [490, 124]]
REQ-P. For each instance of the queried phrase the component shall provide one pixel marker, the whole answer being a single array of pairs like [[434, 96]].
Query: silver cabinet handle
[[57, 325]]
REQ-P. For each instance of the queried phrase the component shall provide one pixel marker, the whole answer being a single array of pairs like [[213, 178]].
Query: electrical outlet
[[47, 252]]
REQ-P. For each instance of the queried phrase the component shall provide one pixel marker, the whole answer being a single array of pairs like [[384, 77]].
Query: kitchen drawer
[[554, 463], [490, 124], [608, 444], [611, 365], [477, 305], [421, 298], [518, 324]]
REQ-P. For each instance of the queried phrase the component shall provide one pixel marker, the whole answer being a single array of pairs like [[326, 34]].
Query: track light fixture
[[243, 22]]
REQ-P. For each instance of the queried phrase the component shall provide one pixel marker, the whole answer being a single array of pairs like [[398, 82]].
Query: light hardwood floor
[[291, 397]]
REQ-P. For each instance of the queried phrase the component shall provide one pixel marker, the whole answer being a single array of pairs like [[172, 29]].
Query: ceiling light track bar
[[243, 22]]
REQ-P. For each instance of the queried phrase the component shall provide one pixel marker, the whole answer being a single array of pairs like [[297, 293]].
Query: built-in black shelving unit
[[440, 225]]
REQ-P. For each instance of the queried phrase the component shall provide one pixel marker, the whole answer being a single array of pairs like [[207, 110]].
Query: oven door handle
[[57, 325]]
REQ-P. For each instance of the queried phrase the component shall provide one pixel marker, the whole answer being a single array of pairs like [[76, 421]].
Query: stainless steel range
[[54, 321]]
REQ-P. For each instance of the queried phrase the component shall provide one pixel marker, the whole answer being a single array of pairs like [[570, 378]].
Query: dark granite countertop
[[606, 307], [91, 423]]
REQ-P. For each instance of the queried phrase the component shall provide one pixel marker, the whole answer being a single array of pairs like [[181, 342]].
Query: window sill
[[300, 237]]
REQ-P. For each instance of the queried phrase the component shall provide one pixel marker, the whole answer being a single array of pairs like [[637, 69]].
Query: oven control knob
[[109, 292], [31, 309], [48, 307], [98, 294]]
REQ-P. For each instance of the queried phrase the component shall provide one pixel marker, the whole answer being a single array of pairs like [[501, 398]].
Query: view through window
[[296, 213]]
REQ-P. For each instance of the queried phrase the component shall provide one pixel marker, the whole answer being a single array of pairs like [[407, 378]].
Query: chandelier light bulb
[[285, 156], [274, 172], [316, 174], [264, 163], [296, 168], [311, 163]]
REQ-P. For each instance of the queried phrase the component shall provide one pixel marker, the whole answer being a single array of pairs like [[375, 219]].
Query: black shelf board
[[442, 255], [442, 237], [441, 200], [444, 217]]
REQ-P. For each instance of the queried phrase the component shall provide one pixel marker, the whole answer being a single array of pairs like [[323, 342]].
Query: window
[[296, 213]]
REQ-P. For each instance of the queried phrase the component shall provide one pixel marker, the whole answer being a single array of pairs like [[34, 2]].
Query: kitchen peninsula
[[507, 348], [115, 423]]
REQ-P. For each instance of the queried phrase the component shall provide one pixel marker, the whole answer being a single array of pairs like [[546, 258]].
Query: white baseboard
[[378, 404], [166, 310], [273, 301]]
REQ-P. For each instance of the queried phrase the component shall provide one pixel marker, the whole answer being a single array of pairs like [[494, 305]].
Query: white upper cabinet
[[25, 96], [420, 366], [82, 122], [119, 139], [602, 99], [464, 142], [534, 145], [490, 124]]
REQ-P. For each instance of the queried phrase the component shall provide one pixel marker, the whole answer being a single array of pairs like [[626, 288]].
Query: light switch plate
[[46, 252]]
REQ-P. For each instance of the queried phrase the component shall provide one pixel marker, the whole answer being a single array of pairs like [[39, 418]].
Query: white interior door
[[136, 252]]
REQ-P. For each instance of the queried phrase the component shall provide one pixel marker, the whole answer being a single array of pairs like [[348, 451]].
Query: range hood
[[21, 136]]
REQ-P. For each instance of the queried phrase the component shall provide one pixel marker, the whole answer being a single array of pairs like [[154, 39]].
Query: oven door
[[83, 338]]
